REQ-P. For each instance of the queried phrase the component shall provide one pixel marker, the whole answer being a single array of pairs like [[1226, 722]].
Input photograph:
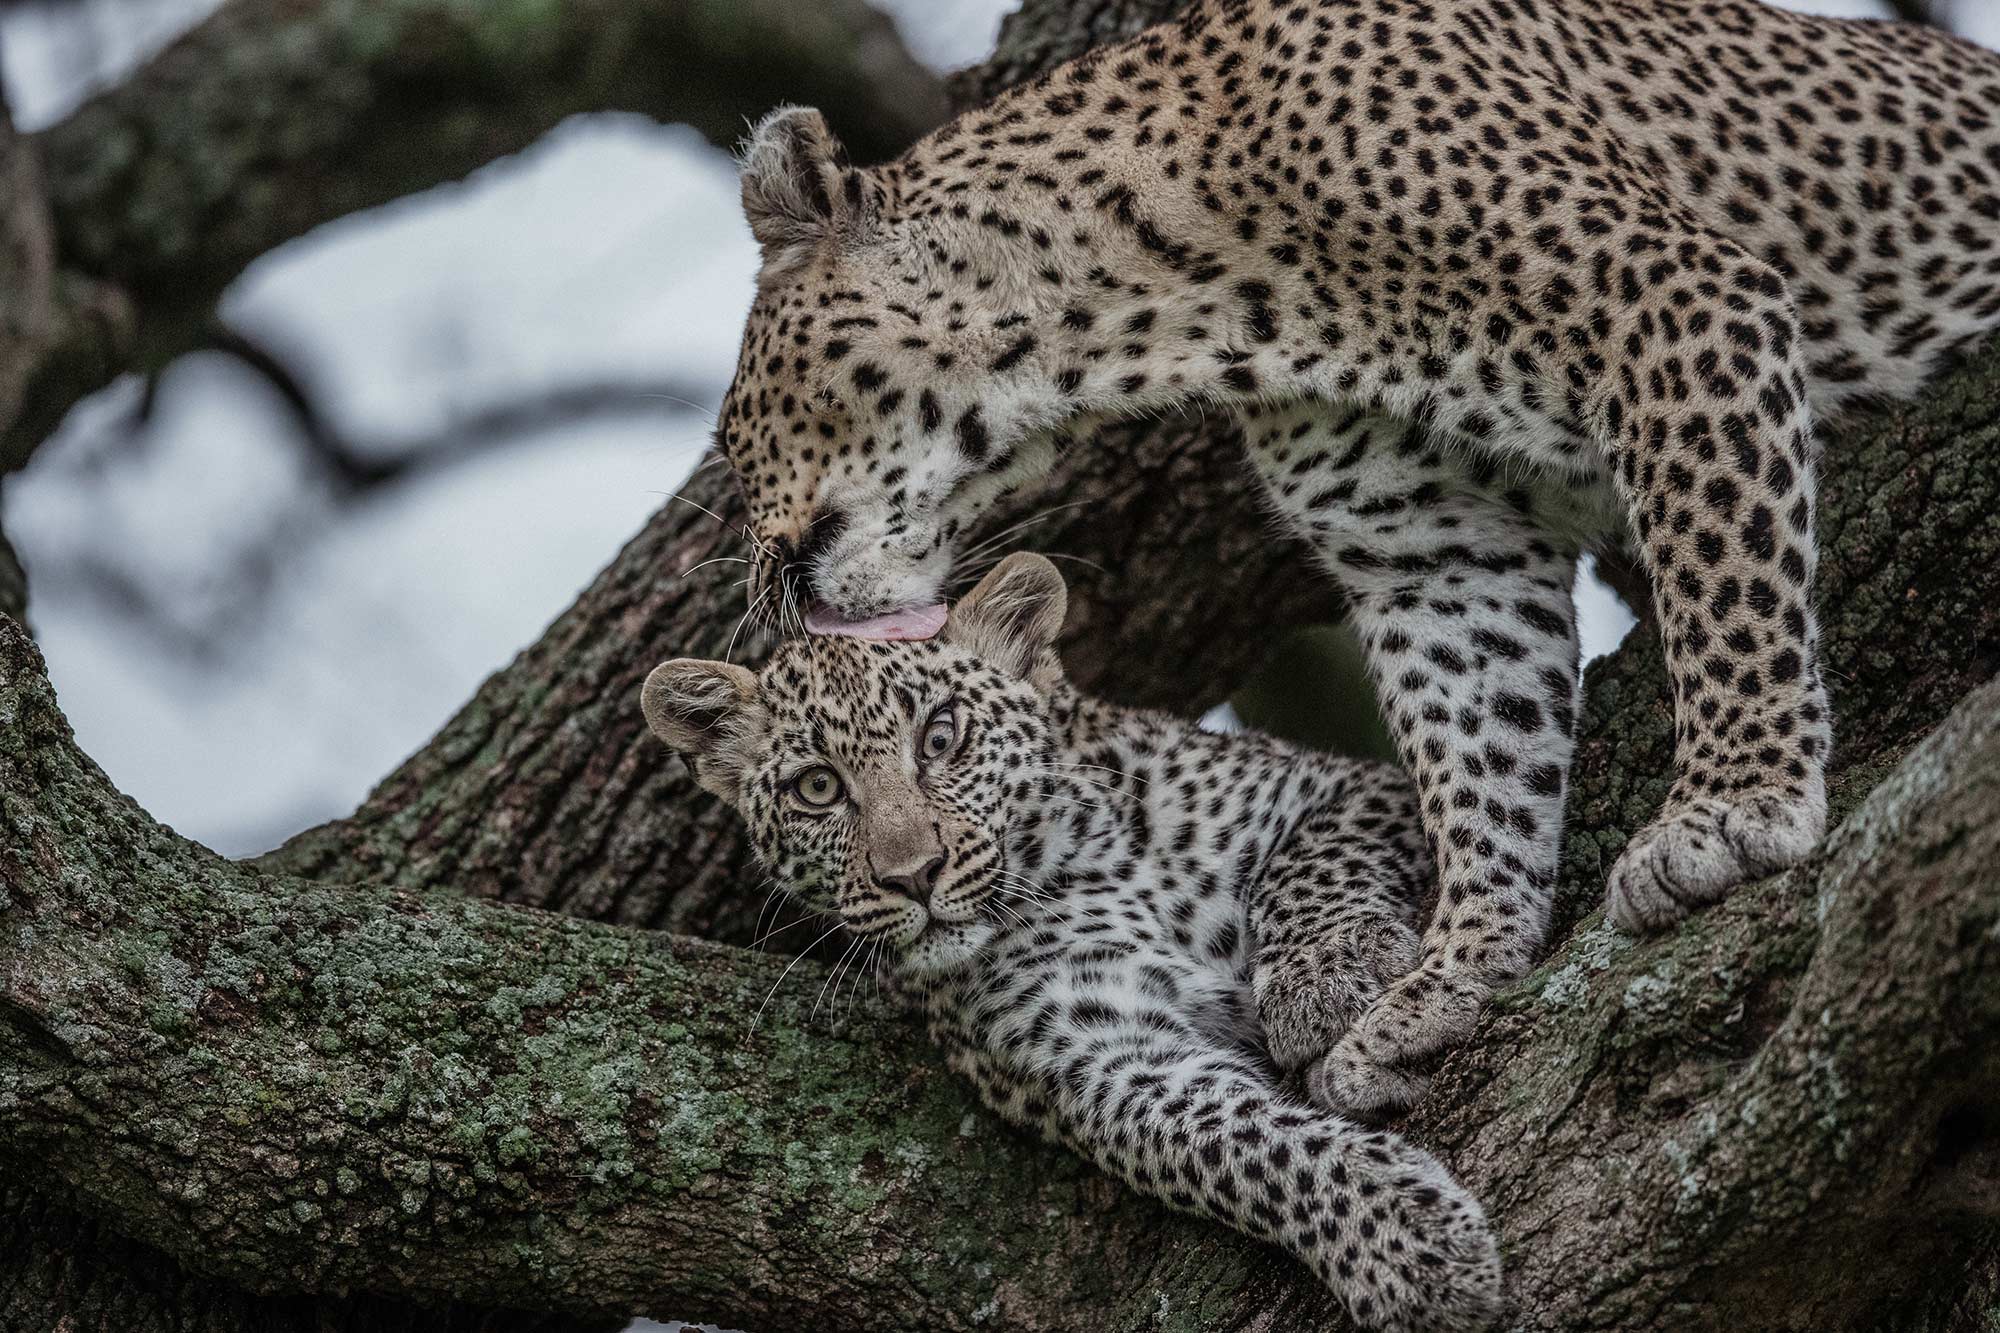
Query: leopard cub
[[1131, 935]]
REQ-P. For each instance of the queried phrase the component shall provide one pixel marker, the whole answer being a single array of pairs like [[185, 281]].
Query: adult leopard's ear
[[1012, 619], [706, 711], [798, 186]]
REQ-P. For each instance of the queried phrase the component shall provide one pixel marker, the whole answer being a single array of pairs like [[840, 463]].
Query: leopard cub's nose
[[915, 884]]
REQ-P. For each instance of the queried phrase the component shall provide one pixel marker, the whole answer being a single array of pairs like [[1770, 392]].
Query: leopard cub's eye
[[818, 787], [940, 735]]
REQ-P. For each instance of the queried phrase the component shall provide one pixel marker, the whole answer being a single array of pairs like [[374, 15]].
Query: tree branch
[[303, 1087], [271, 118]]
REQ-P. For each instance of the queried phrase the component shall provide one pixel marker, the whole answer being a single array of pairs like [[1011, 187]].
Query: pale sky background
[[611, 249]]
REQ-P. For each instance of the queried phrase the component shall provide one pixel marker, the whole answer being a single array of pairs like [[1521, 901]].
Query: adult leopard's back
[[1488, 281], [1860, 160]]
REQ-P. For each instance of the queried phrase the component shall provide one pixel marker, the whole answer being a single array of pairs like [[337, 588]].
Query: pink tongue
[[917, 622]]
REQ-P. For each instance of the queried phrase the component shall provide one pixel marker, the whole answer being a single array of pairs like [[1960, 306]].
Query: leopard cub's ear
[[706, 711], [1013, 618]]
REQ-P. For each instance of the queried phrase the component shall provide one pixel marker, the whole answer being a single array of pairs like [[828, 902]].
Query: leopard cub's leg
[[1464, 608], [1711, 445], [1333, 918], [1401, 1244]]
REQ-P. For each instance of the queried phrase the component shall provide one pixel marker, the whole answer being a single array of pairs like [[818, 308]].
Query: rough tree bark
[[1784, 1116]]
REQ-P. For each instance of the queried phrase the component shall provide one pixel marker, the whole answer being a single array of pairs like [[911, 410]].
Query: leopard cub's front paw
[[1307, 999], [1379, 1068], [1363, 1084]]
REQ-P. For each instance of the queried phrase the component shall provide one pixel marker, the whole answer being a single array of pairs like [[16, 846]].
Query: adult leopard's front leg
[[1464, 608], [1711, 440]]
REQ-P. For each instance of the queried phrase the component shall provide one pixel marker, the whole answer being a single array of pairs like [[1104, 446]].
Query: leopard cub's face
[[878, 780], [881, 788]]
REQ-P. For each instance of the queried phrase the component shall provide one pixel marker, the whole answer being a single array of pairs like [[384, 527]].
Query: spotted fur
[[1488, 281], [1124, 931]]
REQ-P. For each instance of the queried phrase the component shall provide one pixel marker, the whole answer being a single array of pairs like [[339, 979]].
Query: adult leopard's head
[[891, 385], [879, 779]]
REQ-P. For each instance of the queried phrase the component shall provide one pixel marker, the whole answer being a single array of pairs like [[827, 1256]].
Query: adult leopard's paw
[[1698, 850], [1308, 998]]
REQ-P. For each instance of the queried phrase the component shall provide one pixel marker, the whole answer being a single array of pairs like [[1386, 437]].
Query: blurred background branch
[[26, 260], [270, 118], [356, 466]]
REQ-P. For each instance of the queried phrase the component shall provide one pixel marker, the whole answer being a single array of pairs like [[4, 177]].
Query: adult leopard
[[1488, 281]]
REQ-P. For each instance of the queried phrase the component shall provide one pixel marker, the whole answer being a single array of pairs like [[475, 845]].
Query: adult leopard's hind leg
[[1464, 608], [1333, 918], [1711, 443]]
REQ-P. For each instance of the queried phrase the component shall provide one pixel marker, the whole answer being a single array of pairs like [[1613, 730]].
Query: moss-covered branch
[[303, 1087]]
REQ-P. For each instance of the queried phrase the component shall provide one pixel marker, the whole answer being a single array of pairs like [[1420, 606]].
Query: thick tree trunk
[[1783, 1116], [329, 1072]]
